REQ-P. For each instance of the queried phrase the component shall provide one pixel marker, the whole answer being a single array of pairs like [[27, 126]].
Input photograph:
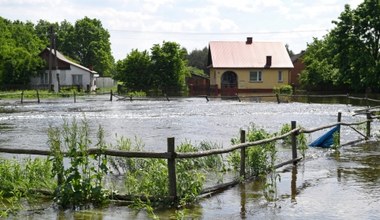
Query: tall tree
[[351, 50], [168, 67], [134, 71], [91, 45]]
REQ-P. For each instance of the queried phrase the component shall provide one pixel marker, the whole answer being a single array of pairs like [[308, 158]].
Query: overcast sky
[[138, 24]]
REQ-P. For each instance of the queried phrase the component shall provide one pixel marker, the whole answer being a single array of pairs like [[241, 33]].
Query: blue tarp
[[325, 140]]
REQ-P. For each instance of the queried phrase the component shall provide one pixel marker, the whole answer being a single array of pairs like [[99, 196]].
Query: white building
[[68, 74]]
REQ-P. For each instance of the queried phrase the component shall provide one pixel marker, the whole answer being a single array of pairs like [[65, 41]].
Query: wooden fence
[[172, 156]]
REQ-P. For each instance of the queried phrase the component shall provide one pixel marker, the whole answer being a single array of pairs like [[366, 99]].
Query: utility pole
[[50, 57], [57, 86]]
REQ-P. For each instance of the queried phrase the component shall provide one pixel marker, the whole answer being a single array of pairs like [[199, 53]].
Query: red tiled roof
[[239, 54]]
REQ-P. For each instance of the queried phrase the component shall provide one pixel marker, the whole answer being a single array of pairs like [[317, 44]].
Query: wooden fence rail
[[171, 156]]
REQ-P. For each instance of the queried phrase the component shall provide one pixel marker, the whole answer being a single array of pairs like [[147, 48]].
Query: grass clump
[[20, 180]]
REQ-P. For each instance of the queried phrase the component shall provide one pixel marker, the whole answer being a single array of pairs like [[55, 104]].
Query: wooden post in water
[[171, 169], [368, 125], [294, 141], [111, 96], [75, 97], [339, 120], [38, 96], [242, 154], [22, 96], [278, 98]]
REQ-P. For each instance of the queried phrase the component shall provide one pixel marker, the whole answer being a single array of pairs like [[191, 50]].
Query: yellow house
[[245, 67]]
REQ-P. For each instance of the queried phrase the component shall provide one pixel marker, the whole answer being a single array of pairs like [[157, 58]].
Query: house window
[[77, 80], [255, 76], [280, 76], [44, 78]]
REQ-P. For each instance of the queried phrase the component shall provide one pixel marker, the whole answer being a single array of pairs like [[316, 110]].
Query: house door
[[229, 85]]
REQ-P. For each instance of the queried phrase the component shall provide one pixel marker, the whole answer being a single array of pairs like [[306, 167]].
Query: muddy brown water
[[328, 184]]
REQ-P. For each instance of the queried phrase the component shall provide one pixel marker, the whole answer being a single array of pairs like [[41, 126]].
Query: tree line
[[87, 43], [348, 57]]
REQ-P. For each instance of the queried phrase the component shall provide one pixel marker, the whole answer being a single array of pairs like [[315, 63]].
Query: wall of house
[[269, 78], [66, 78]]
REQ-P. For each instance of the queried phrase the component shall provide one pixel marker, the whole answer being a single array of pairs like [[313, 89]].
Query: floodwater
[[328, 184]]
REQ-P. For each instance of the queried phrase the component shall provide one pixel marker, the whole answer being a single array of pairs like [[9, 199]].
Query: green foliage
[[135, 71], [19, 49], [18, 179], [259, 158], [336, 140], [301, 139], [81, 182], [162, 72], [149, 177], [335, 61], [198, 59], [283, 90], [89, 43]]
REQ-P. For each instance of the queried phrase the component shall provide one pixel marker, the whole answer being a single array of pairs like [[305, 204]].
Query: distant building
[[68, 74], [298, 67], [198, 84], [245, 67]]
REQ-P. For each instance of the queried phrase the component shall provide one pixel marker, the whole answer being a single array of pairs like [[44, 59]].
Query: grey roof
[[61, 57]]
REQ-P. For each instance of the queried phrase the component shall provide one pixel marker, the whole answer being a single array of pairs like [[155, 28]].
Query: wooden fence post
[[111, 96], [171, 169], [22, 96], [368, 125], [38, 96], [294, 141], [75, 97], [278, 98], [339, 120], [242, 154]]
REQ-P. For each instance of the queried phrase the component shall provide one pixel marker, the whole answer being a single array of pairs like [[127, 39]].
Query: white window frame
[[280, 76], [77, 79], [256, 76]]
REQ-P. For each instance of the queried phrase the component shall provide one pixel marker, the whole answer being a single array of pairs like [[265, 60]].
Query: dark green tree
[[168, 68], [134, 71], [349, 55], [198, 59], [319, 71], [19, 49], [91, 45]]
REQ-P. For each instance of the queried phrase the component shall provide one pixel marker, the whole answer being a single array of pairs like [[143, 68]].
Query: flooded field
[[326, 185]]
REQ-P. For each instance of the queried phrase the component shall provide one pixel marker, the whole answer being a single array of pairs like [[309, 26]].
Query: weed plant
[[19, 179], [149, 177], [81, 183]]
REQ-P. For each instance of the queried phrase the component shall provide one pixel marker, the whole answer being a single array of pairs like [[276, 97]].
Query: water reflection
[[294, 184]]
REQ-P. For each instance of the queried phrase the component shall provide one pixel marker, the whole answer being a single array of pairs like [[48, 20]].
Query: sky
[[139, 24]]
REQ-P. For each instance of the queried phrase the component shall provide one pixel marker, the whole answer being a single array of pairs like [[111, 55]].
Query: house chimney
[[269, 62], [249, 40]]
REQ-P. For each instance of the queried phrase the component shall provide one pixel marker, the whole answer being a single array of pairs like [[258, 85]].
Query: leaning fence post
[[294, 141], [339, 120], [368, 125], [22, 96], [242, 154], [171, 169], [38, 96]]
